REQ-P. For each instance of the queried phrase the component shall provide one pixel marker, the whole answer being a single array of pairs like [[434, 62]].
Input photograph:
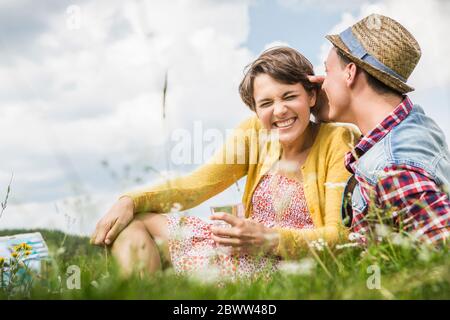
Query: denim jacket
[[416, 141]]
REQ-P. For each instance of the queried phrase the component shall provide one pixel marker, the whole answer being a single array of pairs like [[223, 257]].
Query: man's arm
[[419, 205]]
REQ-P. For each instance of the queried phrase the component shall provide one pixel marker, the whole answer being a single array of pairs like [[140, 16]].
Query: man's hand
[[316, 79], [115, 220], [244, 235], [322, 106]]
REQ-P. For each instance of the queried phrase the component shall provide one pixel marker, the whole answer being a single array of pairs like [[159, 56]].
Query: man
[[402, 162]]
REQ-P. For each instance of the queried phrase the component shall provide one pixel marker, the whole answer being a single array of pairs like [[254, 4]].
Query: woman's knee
[[147, 234], [135, 235], [135, 250], [155, 223], [157, 226]]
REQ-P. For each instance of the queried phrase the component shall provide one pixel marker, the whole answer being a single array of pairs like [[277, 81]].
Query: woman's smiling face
[[283, 107]]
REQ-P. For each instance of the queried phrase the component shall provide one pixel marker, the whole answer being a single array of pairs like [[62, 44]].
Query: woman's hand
[[244, 235], [115, 220]]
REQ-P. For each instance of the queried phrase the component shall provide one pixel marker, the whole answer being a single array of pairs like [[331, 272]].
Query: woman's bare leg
[[156, 225], [136, 247]]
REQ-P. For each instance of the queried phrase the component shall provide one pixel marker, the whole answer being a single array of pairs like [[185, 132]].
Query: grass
[[407, 271]]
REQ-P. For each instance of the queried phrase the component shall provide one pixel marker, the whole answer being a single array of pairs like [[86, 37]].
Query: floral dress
[[278, 201]]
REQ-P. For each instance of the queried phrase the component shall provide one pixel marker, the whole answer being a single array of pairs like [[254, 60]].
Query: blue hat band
[[357, 50]]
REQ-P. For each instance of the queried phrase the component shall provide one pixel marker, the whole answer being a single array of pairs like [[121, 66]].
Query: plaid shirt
[[419, 204]]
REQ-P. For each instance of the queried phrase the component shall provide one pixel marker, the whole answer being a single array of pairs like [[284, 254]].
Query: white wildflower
[[354, 236], [400, 240], [183, 233], [302, 267], [382, 230], [94, 284], [208, 274], [170, 271], [363, 253], [347, 245], [424, 254], [318, 245]]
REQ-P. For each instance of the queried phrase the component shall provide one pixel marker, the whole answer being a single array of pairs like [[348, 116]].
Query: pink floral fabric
[[277, 201]]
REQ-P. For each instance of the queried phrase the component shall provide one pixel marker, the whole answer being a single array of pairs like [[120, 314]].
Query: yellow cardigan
[[253, 154]]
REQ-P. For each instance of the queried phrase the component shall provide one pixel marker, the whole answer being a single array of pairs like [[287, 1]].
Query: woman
[[293, 192]]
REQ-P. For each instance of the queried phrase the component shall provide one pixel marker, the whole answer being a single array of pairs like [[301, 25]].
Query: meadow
[[394, 267]]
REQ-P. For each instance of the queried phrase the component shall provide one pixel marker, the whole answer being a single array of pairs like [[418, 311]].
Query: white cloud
[[82, 93], [304, 5], [347, 19], [276, 44], [428, 22]]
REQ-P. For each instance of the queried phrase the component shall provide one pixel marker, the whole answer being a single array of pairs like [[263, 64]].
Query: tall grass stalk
[[8, 191]]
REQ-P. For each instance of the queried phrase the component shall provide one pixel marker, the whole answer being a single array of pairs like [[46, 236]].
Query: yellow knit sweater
[[249, 152]]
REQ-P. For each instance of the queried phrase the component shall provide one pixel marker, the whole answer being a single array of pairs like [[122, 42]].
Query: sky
[[81, 117]]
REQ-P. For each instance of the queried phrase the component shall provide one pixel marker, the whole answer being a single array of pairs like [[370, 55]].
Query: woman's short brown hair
[[284, 64]]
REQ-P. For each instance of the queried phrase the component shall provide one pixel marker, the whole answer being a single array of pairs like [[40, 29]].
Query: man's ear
[[350, 74]]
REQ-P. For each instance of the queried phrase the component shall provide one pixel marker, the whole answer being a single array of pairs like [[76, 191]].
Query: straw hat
[[382, 47]]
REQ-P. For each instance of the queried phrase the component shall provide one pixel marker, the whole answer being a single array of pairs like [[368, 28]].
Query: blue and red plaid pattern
[[419, 205]]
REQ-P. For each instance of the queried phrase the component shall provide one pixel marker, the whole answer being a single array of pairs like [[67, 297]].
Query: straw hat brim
[[384, 77]]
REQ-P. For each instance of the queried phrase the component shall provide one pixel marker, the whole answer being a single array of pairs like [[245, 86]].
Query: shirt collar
[[380, 131]]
